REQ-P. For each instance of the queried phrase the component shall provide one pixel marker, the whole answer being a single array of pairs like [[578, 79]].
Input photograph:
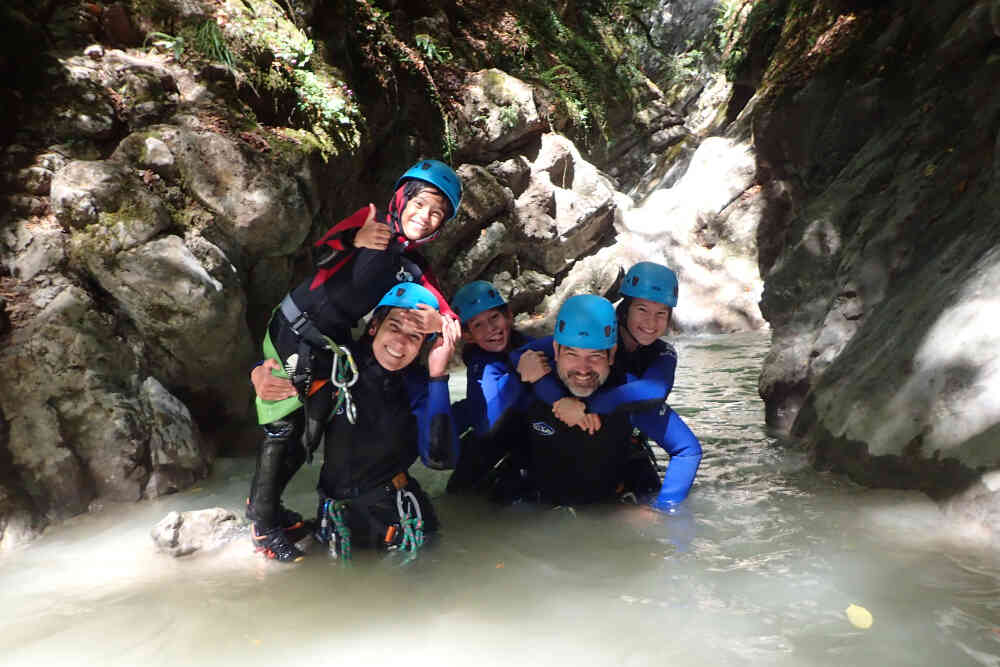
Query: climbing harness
[[333, 529], [345, 371], [411, 520], [406, 536]]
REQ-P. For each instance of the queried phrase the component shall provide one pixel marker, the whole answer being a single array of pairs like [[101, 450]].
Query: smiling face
[[583, 370], [396, 341], [490, 329], [423, 214], [647, 320]]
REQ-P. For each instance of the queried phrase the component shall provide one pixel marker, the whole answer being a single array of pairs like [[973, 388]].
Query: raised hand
[[373, 234], [532, 366], [440, 354], [426, 319], [572, 412]]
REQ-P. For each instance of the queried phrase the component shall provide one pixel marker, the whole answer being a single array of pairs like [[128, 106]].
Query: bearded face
[[583, 370]]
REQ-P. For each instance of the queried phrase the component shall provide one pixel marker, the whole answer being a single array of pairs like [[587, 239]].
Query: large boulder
[[78, 428], [496, 112], [263, 206], [882, 273], [567, 208]]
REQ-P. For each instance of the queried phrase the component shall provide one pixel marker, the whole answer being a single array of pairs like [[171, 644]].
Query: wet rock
[[523, 290], [178, 454], [556, 223], [262, 206], [595, 274], [514, 173], [94, 51], [484, 200], [19, 525], [497, 111], [37, 246], [26, 205], [884, 260], [185, 533]]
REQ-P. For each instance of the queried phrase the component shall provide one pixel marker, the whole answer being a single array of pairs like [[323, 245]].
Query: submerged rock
[[184, 533]]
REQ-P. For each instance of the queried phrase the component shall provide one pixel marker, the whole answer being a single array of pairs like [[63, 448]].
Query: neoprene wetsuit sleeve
[[547, 389], [430, 281], [637, 395], [336, 246], [674, 436], [502, 389], [437, 440]]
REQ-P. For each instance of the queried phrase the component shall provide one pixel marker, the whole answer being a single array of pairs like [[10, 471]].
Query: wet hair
[[413, 187], [621, 310]]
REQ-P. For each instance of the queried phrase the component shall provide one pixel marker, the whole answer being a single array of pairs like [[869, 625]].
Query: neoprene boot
[[275, 544], [279, 457]]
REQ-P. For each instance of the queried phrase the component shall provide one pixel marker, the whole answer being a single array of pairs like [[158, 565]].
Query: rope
[[411, 520], [340, 532]]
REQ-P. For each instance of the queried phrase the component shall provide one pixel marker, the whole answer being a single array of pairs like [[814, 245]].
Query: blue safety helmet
[[587, 321], [649, 280], [474, 298], [439, 175], [408, 295]]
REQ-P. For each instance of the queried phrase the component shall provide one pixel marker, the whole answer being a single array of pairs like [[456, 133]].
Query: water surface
[[757, 568]]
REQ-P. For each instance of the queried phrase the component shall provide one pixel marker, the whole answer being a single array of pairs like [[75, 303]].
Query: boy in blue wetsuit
[[587, 336], [358, 260], [403, 412], [492, 389]]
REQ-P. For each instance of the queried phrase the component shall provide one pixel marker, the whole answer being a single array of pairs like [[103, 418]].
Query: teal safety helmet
[[649, 280], [474, 298], [587, 321], [409, 295], [439, 175]]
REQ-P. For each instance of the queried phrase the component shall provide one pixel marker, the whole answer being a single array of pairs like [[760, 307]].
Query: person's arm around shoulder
[[502, 390], [534, 363], [648, 391], [437, 439]]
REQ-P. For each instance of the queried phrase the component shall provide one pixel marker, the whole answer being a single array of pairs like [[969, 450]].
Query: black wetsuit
[[402, 415], [349, 283]]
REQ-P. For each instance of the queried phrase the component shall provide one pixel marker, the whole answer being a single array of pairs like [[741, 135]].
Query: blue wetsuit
[[493, 394], [649, 372], [639, 385]]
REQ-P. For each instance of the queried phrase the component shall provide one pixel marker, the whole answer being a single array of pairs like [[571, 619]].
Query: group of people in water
[[563, 419]]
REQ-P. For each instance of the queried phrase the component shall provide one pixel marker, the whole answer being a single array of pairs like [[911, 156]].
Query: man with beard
[[596, 459]]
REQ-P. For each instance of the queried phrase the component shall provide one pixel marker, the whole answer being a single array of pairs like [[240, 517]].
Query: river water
[[757, 568]]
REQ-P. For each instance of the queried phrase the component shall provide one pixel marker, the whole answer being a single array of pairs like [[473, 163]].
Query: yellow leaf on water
[[859, 617]]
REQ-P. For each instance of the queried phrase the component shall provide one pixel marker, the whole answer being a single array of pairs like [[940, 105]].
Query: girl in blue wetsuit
[[492, 386], [647, 366]]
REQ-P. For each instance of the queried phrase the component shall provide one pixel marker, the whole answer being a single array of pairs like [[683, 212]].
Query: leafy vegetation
[[263, 49]]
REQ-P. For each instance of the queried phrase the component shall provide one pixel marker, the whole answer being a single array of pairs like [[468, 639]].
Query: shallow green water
[[757, 569]]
